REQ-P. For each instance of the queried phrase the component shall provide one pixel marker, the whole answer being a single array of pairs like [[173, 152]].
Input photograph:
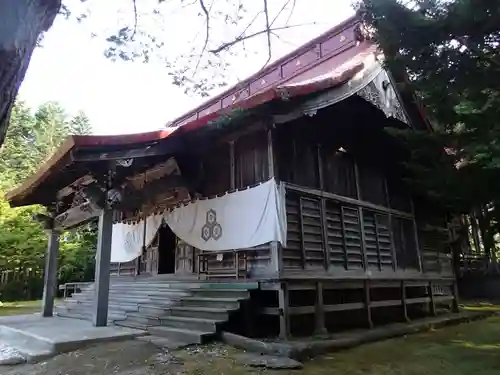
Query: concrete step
[[198, 324], [125, 307], [222, 293], [86, 314], [214, 313], [179, 334], [150, 320], [197, 301], [137, 293], [130, 324], [152, 309]]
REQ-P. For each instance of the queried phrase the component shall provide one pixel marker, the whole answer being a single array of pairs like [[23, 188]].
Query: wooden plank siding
[[348, 212]]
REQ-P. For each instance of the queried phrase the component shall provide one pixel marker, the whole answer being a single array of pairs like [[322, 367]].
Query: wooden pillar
[[232, 167], [102, 268], [276, 259], [284, 315], [368, 308], [432, 304], [403, 302], [50, 278], [319, 313]]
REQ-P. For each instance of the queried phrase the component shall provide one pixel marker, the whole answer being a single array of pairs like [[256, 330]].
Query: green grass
[[20, 307], [467, 349]]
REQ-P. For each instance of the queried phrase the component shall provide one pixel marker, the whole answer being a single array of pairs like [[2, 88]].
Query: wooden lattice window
[[378, 240], [344, 236]]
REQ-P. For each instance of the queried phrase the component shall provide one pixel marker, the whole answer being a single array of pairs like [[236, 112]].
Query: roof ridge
[[351, 21]]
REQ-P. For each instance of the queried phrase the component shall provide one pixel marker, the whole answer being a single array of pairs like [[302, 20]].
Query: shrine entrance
[[167, 243]]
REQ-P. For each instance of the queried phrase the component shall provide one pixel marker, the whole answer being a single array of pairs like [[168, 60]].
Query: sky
[[129, 97]]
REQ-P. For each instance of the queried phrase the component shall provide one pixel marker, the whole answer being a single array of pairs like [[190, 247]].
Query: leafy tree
[[447, 50], [32, 137]]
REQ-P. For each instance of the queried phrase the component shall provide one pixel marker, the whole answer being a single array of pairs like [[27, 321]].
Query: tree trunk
[[21, 24]]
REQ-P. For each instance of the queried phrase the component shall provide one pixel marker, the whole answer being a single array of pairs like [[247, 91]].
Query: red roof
[[335, 45]]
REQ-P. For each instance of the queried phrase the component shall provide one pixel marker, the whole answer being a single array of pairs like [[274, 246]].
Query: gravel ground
[[134, 357]]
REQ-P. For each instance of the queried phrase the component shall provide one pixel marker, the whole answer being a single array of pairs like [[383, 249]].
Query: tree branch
[[207, 33], [237, 40], [268, 32], [135, 19]]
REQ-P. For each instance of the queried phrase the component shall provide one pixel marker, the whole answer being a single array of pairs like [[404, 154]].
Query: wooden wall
[[348, 209], [236, 164]]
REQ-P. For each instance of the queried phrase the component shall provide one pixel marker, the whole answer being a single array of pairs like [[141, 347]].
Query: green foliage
[[448, 51], [31, 139]]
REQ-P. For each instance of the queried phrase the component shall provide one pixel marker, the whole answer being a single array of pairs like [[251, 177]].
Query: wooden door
[[184, 258]]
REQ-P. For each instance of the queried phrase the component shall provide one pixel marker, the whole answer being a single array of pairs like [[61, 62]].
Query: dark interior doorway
[[166, 250]]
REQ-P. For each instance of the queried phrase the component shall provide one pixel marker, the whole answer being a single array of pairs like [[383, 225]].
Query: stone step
[[149, 320], [198, 324], [179, 334], [151, 309], [124, 307], [213, 313], [222, 293], [139, 293], [86, 314], [197, 301], [130, 324]]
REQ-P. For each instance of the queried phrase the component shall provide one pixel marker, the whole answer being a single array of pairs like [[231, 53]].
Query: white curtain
[[128, 239], [238, 220]]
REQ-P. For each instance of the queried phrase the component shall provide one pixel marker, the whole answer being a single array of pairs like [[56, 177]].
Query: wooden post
[[103, 257], [368, 304], [403, 301], [50, 278], [319, 312], [284, 304], [276, 257], [232, 167], [432, 305]]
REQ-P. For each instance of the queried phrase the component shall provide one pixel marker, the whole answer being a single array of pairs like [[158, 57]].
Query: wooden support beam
[[319, 314], [347, 200], [50, 277], [274, 246], [232, 166], [368, 308], [403, 302], [432, 304], [103, 258], [147, 150], [284, 304]]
